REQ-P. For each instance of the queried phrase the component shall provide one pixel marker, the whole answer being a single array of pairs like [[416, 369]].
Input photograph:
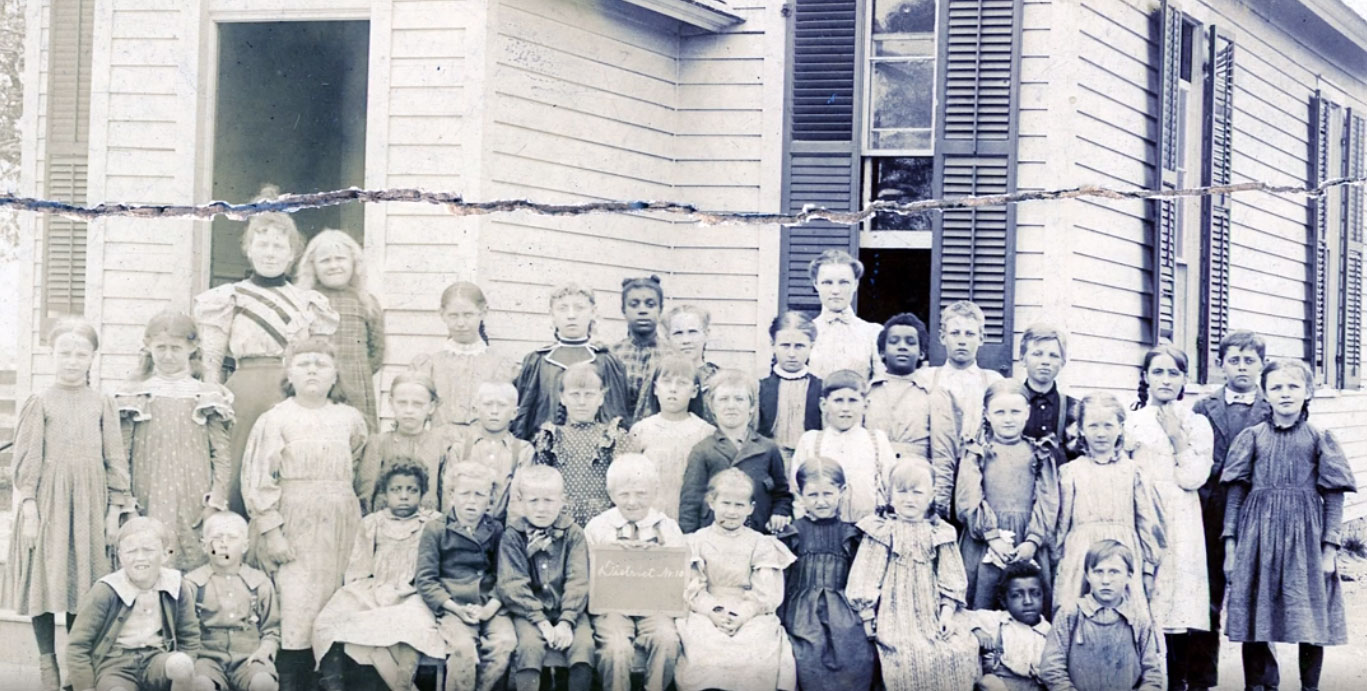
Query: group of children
[[854, 518]]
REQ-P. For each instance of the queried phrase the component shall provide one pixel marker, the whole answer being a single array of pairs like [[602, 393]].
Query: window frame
[[865, 72]]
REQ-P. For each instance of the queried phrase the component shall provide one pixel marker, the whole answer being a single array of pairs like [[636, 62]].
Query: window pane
[[903, 17], [902, 180], [903, 94], [901, 140]]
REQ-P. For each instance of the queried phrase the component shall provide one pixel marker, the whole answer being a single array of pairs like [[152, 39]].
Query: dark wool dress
[[1278, 591], [827, 636]]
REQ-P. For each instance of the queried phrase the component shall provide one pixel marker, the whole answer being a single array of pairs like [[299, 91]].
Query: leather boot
[[49, 674]]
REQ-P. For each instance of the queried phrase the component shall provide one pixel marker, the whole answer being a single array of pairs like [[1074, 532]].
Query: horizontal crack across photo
[[458, 206]]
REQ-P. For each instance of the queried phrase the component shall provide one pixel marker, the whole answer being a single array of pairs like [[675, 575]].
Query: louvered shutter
[[974, 257], [1164, 211], [1350, 285], [1215, 208], [68, 136], [822, 160], [1325, 127]]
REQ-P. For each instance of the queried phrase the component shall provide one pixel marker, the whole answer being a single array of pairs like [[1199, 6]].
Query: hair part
[[1100, 551], [731, 477], [1040, 331], [835, 257], [651, 283], [1299, 366], [911, 320], [701, 313], [1101, 401], [581, 375], [1001, 387], [675, 366], [176, 325], [792, 321], [77, 326], [566, 290], [731, 378], [465, 290], [844, 379], [820, 468], [1243, 339], [1172, 351], [414, 377]]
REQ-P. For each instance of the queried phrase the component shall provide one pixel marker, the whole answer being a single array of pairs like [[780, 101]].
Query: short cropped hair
[[229, 517], [143, 524], [470, 470], [732, 378], [963, 309], [844, 379], [632, 467], [535, 475], [1044, 332], [569, 289], [905, 319], [1243, 339], [835, 257], [506, 389]]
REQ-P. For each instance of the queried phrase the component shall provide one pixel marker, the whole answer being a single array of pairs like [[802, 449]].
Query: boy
[[489, 443], [239, 616], [899, 399], [456, 571], [543, 578], [1231, 409], [956, 405], [843, 341], [136, 628], [538, 383], [864, 454], [731, 397], [1044, 352], [634, 523], [1012, 641]]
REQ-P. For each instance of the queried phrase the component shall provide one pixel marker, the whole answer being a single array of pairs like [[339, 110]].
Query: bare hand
[[203, 516], [1230, 546], [719, 619], [263, 654], [29, 539], [1003, 549], [111, 525], [985, 639], [548, 634], [1026, 551], [777, 523], [275, 550], [1329, 559], [946, 628], [1172, 427], [565, 635]]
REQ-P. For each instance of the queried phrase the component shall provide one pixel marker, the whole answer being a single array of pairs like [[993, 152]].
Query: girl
[[732, 639], [736, 445], [538, 384], [668, 436], [334, 265], [582, 448], [899, 398], [865, 454], [297, 480], [1105, 640], [253, 321], [465, 361], [413, 398], [906, 583], [176, 430], [1006, 494], [1173, 446], [1286, 479], [71, 482], [1104, 496], [378, 616], [827, 636], [641, 350], [686, 327], [790, 397], [845, 341]]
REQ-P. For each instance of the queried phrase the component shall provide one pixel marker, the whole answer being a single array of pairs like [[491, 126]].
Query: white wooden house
[[745, 105]]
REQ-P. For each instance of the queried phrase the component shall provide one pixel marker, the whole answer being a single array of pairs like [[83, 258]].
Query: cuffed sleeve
[[1234, 504], [951, 580], [1333, 517]]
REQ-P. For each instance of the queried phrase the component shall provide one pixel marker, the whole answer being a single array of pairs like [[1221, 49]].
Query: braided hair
[[1167, 349]]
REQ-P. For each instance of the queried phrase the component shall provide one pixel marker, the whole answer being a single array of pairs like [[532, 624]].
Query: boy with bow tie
[[1231, 409], [634, 523]]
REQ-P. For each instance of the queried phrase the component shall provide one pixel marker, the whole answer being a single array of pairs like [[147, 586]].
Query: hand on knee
[[179, 667], [263, 681]]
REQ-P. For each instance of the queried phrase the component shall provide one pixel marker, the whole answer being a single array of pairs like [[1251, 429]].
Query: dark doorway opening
[[291, 112], [895, 281]]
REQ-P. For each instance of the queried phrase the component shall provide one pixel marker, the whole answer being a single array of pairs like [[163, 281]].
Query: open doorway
[[291, 112]]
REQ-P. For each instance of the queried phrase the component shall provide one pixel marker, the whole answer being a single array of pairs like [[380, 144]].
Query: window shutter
[[975, 155], [1324, 119], [1350, 325], [68, 132], [1164, 246], [822, 162], [1215, 208]]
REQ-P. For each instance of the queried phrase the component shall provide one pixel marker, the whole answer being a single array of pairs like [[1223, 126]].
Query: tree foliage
[[11, 107]]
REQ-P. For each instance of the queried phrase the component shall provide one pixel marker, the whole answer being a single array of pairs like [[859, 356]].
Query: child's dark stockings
[[45, 631]]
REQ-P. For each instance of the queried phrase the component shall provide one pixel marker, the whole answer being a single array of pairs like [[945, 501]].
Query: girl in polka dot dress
[[582, 448], [175, 427]]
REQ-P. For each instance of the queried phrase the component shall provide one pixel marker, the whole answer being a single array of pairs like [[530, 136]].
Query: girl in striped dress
[[252, 321], [334, 265], [176, 430]]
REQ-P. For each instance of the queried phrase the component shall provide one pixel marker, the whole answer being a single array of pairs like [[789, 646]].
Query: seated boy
[[239, 617], [456, 570], [489, 442], [543, 579], [956, 396], [1012, 641], [1044, 352], [634, 523], [136, 628]]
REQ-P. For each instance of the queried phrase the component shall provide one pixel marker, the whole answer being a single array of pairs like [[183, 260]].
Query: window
[[900, 113]]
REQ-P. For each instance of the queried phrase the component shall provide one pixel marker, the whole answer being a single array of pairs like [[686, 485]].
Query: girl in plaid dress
[[334, 265]]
